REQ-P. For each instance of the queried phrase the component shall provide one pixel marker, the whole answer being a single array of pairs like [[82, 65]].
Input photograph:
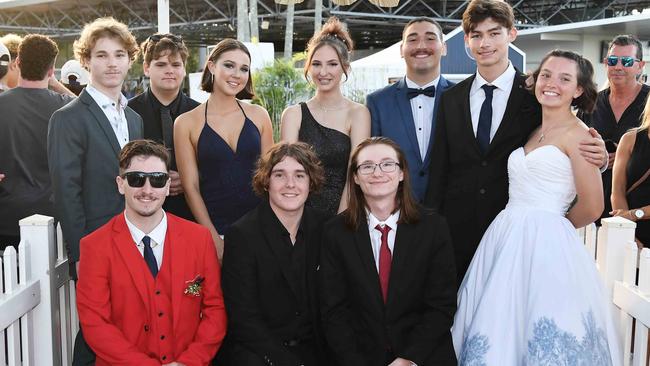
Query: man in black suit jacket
[[481, 120], [387, 269], [270, 265], [164, 63], [85, 138]]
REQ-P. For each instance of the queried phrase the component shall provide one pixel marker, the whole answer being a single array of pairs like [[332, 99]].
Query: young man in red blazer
[[149, 288]]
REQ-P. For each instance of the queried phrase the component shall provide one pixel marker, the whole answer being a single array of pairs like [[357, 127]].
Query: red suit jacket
[[117, 298]]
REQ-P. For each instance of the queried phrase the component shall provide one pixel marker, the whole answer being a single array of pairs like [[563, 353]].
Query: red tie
[[385, 259]]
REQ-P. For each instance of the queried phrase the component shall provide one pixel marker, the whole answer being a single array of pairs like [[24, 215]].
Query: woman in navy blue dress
[[218, 143]]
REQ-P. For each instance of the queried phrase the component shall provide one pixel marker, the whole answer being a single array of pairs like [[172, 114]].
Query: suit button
[[481, 191], [162, 337], [164, 358], [160, 314], [297, 313], [421, 174], [146, 328], [157, 292], [484, 163]]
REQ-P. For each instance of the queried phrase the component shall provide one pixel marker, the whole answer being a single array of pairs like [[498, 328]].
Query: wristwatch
[[638, 213]]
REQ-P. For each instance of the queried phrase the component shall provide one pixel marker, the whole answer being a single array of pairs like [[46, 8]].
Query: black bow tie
[[428, 91]]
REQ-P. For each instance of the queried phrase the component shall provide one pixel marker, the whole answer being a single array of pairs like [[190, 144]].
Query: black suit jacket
[[146, 108], [415, 322], [260, 291], [468, 187], [82, 153]]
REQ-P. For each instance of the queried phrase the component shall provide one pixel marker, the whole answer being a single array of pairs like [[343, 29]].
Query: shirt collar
[[503, 82], [411, 84], [104, 100], [390, 221], [157, 234], [155, 103]]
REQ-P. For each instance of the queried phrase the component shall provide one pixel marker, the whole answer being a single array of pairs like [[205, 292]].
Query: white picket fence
[[38, 316], [618, 260]]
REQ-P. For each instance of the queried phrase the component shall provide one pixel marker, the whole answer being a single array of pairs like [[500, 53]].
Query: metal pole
[[255, 32], [242, 20], [288, 35], [163, 16], [318, 15]]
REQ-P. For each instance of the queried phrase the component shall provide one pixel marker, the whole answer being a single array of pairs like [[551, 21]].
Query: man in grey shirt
[[26, 110]]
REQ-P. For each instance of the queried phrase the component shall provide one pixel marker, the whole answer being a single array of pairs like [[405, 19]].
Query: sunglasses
[[137, 179], [173, 37], [626, 61]]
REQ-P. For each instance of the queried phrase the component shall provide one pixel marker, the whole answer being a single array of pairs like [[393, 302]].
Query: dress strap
[[242, 109], [206, 112]]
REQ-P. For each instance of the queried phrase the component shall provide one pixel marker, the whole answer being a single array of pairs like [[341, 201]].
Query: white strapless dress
[[532, 294]]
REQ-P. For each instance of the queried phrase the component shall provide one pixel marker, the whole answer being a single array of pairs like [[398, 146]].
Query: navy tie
[[149, 257], [485, 119], [428, 91]]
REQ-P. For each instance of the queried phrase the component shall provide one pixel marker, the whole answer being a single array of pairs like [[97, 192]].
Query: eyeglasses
[[384, 166], [626, 61], [157, 37], [137, 179]]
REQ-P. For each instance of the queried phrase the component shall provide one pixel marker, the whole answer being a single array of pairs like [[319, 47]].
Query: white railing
[[618, 259], [38, 315]]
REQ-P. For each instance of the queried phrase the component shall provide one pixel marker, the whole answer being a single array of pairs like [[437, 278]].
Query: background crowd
[[329, 246]]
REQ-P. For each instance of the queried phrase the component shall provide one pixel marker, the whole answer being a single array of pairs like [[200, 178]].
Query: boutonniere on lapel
[[194, 287]]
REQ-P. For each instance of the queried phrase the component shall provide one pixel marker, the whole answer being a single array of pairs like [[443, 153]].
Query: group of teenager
[[446, 238]]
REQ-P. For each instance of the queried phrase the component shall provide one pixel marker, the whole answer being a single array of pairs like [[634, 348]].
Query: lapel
[[123, 240], [364, 248], [516, 98], [134, 124], [405, 239], [443, 84], [466, 127], [178, 255], [270, 231], [404, 105], [101, 120]]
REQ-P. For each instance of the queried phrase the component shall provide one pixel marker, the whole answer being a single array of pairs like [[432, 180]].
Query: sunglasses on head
[[173, 37], [137, 179], [626, 61]]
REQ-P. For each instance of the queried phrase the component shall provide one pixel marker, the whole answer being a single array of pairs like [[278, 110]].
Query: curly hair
[[12, 42], [101, 28], [304, 155], [37, 54], [333, 34]]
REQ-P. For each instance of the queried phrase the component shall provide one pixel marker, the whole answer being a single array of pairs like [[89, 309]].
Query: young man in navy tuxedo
[[405, 112]]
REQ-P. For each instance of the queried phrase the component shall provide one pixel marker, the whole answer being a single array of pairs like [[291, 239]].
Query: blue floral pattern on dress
[[550, 346], [474, 350]]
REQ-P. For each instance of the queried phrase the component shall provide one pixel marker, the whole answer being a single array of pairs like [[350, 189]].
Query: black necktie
[[149, 257], [167, 124], [485, 119], [429, 91]]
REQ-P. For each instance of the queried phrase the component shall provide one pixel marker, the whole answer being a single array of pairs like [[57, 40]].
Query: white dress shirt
[[375, 235], [114, 112], [499, 98], [422, 108], [157, 236]]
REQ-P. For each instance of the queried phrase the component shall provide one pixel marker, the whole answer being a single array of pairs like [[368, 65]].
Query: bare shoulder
[[191, 119], [292, 113], [573, 135], [254, 111], [358, 109]]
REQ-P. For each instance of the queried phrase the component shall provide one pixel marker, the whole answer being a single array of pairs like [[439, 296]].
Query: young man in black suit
[[270, 264], [481, 120], [387, 270], [164, 63]]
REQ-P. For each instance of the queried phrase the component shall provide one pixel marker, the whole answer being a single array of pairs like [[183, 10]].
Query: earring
[[212, 78]]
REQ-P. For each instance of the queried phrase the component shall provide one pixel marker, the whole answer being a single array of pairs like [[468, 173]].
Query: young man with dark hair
[[85, 138], [417, 97], [481, 120], [164, 63], [619, 107], [149, 288], [26, 111]]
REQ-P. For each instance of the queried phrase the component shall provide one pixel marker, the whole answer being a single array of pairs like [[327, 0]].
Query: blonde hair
[[101, 28], [12, 42], [333, 34]]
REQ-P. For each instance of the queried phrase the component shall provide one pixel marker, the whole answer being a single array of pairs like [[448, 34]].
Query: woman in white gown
[[532, 295]]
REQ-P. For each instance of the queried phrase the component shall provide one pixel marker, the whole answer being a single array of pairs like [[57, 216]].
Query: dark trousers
[[82, 354]]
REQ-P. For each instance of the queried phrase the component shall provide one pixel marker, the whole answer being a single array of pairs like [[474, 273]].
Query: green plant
[[278, 86]]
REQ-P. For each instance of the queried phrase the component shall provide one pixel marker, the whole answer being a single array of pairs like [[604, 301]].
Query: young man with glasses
[[387, 269], [620, 106], [164, 64], [149, 290]]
